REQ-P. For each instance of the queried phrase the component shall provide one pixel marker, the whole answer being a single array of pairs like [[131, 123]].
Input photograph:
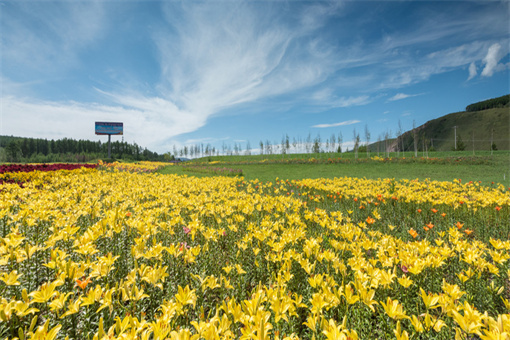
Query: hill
[[474, 128]]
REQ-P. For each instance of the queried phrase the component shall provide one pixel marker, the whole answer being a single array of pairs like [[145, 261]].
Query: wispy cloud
[[205, 140], [227, 57], [49, 37], [347, 122], [472, 71], [212, 57], [400, 96]]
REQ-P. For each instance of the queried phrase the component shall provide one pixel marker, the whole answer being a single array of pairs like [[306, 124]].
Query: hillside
[[476, 129]]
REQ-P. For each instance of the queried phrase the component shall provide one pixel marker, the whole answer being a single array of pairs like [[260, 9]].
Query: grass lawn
[[494, 168]]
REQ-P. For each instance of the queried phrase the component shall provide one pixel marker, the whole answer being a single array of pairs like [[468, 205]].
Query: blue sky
[[180, 73]]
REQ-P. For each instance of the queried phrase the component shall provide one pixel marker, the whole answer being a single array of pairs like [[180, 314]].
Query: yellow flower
[[394, 309], [11, 279], [45, 292], [405, 281], [471, 322], [185, 297], [401, 335]]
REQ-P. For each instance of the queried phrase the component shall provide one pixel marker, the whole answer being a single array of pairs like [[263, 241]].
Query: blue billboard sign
[[106, 128]]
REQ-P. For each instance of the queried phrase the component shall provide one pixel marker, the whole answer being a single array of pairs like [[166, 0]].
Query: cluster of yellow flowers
[[143, 166], [127, 255], [454, 193]]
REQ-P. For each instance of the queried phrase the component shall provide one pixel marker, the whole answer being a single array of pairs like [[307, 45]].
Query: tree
[[261, 147], [415, 140], [339, 140], [269, 148], [356, 140], [367, 137], [308, 143], [378, 145], [317, 144], [399, 136], [13, 151], [461, 146], [387, 137]]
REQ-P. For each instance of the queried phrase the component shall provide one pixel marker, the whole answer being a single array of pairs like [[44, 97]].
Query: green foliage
[[461, 146], [13, 151], [445, 166], [37, 150], [499, 102]]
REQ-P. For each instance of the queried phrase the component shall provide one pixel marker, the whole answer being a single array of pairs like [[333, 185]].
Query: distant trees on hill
[[37, 150], [502, 101]]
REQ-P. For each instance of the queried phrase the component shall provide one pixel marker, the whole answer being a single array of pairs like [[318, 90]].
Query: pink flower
[[404, 269], [186, 230]]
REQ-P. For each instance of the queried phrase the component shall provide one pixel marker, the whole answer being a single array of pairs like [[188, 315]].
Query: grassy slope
[[495, 169], [441, 130]]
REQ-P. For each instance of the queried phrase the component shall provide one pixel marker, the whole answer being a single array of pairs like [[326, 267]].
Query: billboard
[[106, 128]]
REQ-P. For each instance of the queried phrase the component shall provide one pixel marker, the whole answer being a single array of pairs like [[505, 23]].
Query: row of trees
[[503, 101], [333, 144], [416, 140], [37, 150]]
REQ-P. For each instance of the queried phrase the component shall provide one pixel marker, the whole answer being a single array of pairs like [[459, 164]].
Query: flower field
[[130, 254]]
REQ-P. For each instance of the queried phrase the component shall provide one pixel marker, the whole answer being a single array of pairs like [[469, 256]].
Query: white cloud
[[400, 96], [347, 122], [50, 37], [211, 58], [351, 101], [491, 60], [214, 56], [227, 57], [325, 98], [147, 121], [472, 71], [205, 140]]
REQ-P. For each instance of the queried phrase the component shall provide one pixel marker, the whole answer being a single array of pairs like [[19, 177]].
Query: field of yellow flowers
[[112, 254]]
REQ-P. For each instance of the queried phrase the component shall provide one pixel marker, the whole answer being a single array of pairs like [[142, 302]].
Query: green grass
[[483, 167], [482, 126]]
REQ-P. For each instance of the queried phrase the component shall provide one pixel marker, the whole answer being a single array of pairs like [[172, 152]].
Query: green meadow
[[441, 166]]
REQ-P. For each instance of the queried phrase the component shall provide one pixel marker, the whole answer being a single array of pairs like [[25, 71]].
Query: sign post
[[108, 128]]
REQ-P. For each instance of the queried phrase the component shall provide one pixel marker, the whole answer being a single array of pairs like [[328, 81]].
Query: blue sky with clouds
[[217, 72]]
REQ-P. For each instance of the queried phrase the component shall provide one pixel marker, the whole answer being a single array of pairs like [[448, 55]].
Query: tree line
[[38, 150], [499, 102]]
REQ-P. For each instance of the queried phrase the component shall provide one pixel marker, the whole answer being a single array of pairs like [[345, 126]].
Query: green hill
[[475, 129]]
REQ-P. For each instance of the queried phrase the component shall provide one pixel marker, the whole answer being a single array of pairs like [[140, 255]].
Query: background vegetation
[[443, 166], [37, 150]]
